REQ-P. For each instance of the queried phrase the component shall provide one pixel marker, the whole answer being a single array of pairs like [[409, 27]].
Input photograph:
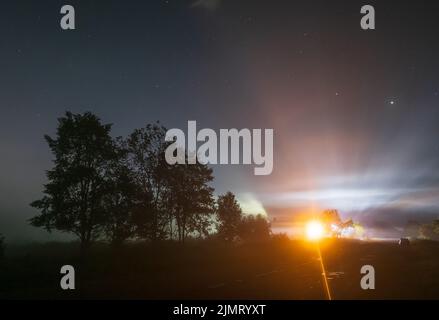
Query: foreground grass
[[209, 270]]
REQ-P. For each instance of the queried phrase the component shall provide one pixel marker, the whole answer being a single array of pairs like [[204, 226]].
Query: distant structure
[[404, 242], [338, 228]]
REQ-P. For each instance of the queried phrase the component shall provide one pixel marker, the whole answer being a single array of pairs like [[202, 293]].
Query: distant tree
[[2, 247], [411, 229], [191, 198], [229, 216], [146, 155], [426, 231], [254, 228], [429, 230], [333, 223], [331, 216], [281, 238], [436, 227], [73, 200]]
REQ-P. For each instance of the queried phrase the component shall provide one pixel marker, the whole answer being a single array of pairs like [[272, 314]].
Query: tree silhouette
[[122, 200], [73, 200], [2, 246], [331, 216], [121, 189], [254, 228], [229, 215], [146, 155], [411, 229], [429, 230], [191, 198]]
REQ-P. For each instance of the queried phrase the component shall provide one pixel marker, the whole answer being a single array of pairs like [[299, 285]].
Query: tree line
[[115, 189], [417, 230], [2, 247]]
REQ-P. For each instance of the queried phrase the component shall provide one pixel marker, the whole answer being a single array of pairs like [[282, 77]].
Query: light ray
[[325, 279]]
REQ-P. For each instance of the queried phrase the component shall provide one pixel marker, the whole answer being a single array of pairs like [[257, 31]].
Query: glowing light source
[[314, 230]]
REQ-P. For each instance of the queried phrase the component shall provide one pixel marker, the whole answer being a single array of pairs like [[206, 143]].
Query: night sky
[[355, 113]]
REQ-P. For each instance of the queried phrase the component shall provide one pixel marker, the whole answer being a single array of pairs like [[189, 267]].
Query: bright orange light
[[314, 230]]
